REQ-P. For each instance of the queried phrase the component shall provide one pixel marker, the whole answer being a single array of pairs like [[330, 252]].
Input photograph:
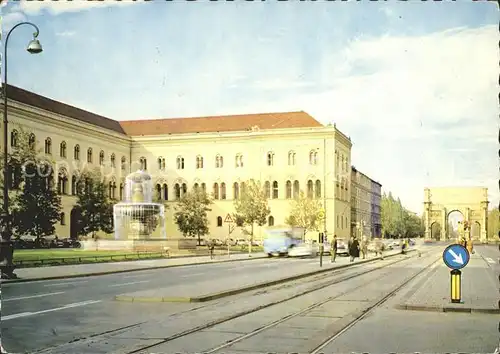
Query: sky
[[414, 84]]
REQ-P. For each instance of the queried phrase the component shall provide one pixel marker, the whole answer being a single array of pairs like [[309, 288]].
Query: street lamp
[[6, 247]]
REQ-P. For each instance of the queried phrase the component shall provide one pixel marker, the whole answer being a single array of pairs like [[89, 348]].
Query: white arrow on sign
[[457, 257]]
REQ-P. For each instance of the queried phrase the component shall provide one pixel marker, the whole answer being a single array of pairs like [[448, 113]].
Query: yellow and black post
[[456, 286], [321, 240]]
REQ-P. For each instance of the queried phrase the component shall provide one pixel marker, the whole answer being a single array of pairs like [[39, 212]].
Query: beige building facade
[[286, 152], [365, 205]]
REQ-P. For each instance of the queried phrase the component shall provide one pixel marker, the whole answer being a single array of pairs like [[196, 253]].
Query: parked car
[[342, 247]]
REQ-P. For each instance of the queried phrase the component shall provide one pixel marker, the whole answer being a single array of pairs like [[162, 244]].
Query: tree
[[251, 208], [305, 213], [191, 214], [37, 207], [397, 221], [93, 208], [493, 224]]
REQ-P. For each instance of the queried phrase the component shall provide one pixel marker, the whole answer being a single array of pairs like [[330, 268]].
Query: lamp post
[[6, 246]]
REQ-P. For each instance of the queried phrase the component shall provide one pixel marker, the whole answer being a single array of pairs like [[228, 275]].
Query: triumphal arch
[[471, 202]]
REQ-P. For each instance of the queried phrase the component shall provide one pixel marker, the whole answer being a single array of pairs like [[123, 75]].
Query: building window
[[342, 163], [124, 163], [313, 157], [161, 164], [238, 160], [73, 185], [270, 158], [121, 191], [158, 191], [13, 138], [32, 141], [177, 191], [219, 221], [62, 149], [267, 189], [76, 152], [165, 191], [180, 162], [236, 190], [101, 158], [317, 187], [62, 181], [113, 160], [310, 192], [204, 187], [222, 190], [243, 188], [184, 189], [219, 161], [144, 163], [296, 189], [288, 190], [112, 189], [48, 146], [63, 219], [270, 220], [89, 155], [216, 191], [275, 190], [199, 162], [291, 158]]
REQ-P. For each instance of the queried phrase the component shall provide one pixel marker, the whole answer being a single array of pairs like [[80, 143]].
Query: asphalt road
[[59, 311]]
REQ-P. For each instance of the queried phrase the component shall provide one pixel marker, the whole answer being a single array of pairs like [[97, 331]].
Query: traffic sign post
[[456, 286], [229, 220], [456, 257]]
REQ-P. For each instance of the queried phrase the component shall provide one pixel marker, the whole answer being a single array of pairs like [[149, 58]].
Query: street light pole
[[6, 246]]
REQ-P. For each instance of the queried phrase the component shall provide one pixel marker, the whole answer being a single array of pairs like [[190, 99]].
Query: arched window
[[113, 160], [180, 162], [238, 159], [310, 191], [144, 163], [165, 191], [291, 158], [89, 155], [124, 163], [222, 190], [236, 190], [63, 219], [73, 185], [288, 190], [76, 152], [62, 149], [219, 221], [62, 181], [158, 191], [101, 158], [270, 220], [48, 146], [14, 138], [32, 141], [296, 189], [199, 162], [204, 187], [112, 189], [216, 191], [184, 189], [275, 190], [318, 188], [121, 191], [267, 189], [177, 191], [219, 161], [270, 158]]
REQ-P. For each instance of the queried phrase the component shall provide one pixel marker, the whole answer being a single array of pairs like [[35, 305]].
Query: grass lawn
[[22, 255]]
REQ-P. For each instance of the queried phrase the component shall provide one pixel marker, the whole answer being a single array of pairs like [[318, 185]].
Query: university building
[[366, 197], [287, 152]]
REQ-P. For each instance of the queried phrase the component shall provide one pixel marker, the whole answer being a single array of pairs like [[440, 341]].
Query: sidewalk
[[211, 290], [479, 290], [84, 270]]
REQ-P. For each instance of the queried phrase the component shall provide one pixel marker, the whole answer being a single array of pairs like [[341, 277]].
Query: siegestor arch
[[470, 202]]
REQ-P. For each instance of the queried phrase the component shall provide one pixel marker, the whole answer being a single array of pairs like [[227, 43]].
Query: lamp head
[[34, 46]]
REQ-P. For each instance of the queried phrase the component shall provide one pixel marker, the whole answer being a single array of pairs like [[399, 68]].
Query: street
[[82, 316]]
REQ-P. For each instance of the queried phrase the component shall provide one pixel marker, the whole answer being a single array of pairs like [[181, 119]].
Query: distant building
[[286, 152], [366, 197]]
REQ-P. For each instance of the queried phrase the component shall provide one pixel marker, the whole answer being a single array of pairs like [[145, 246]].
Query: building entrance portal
[[471, 202]]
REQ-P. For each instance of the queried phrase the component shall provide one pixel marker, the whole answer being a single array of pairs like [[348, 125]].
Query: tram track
[[321, 286]]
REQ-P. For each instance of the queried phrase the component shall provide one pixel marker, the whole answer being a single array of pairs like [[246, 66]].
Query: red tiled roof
[[32, 99], [219, 123]]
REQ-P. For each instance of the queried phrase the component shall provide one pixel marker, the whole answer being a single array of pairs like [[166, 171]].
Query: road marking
[[130, 283], [66, 283], [490, 260], [26, 314], [31, 296], [192, 275]]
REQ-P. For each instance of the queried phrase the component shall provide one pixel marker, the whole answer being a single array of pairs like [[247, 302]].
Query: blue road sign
[[456, 256]]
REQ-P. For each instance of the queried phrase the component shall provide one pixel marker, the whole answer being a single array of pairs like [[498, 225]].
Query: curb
[[447, 309], [226, 293], [84, 275]]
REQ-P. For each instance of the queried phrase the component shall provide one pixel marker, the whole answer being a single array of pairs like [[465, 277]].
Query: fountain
[[138, 221]]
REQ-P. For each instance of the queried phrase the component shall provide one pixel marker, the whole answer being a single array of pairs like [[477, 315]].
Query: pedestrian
[[379, 248], [354, 249], [211, 246], [364, 247], [333, 249]]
